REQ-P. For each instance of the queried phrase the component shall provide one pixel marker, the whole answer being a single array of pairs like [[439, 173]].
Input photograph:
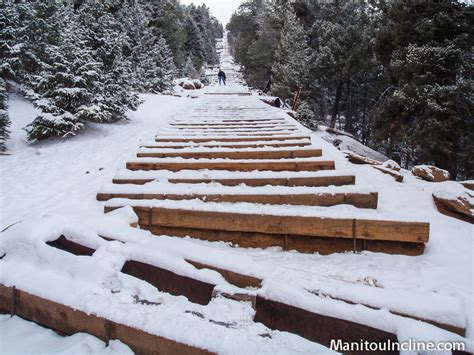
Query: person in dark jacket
[[221, 77]]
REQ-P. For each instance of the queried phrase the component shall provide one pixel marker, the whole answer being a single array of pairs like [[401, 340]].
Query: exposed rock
[[456, 201], [430, 173], [188, 85], [397, 176], [391, 164], [360, 159], [197, 84]]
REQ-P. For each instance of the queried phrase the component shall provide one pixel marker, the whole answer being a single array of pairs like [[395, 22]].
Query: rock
[[397, 176], [456, 201], [360, 159], [430, 173], [391, 164], [188, 85], [197, 84]]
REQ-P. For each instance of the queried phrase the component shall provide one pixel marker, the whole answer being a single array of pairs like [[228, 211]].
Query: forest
[[396, 75], [86, 61]]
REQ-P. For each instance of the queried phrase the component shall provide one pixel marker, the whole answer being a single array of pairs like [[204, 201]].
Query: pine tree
[[67, 86], [194, 44], [164, 70], [106, 38], [4, 119], [189, 70], [427, 115], [292, 58]]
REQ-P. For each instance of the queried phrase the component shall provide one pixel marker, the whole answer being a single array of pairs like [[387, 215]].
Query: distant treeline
[[85, 61], [397, 75]]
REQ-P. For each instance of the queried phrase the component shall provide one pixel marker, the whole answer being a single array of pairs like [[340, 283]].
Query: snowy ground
[[59, 180]]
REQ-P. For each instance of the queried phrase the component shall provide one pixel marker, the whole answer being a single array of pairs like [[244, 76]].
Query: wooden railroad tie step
[[281, 144], [231, 165], [67, 320], [234, 154], [201, 292], [228, 138], [291, 181], [359, 200], [306, 234], [218, 125]]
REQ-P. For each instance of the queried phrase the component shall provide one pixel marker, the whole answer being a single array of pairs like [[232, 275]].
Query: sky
[[222, 9]]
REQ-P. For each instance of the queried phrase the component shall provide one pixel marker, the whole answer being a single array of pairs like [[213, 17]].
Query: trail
[[234, 200]]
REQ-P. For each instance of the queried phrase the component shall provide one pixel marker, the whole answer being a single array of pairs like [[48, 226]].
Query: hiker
[[221, 76]]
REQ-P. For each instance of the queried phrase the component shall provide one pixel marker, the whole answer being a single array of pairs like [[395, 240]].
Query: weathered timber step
[[231, 154], [256, 144], [232, 128], [306, 234], [263, 181], [167, 281], [359, 200], [229, 132], [219, 125], [67, 320], [196, 291], [231, 165], [227, 138], [237, 279], [225, 121], [316, 327], [229, 93]]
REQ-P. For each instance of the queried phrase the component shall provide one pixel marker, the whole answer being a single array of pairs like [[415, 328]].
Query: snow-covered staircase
[[235, 169]]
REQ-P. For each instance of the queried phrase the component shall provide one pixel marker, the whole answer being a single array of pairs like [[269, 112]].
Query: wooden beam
[[66, 320], [229, 139], [359, 200], [302, 143], [302, 244], [234, 166], [236, 154], [168, 281], [336, 180], [235, 278], [364, 229], [318, 327]]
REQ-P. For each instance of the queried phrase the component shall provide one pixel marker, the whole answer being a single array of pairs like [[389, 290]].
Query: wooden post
[[295, 99]]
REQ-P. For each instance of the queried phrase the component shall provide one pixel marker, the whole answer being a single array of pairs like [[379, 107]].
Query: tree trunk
[[335, 110]]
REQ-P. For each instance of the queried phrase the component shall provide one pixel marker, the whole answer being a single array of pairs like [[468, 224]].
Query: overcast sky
[[222, 9]]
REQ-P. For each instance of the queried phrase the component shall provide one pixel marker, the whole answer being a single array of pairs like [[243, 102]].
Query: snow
[[51, 188], [214, 188], [344, 142], [223, 174], [40, 340]]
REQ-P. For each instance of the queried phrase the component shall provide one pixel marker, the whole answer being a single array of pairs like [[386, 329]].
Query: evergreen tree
[[67, 86], [85, 62], [107, 39], [163, 71], [4, 119], [189, 70], [426, 117], [292, 58]]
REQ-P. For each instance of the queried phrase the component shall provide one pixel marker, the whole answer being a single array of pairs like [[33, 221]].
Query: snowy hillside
[[49, 190]]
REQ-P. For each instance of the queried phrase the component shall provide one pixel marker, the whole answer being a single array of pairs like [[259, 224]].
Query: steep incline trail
[[276, 231]]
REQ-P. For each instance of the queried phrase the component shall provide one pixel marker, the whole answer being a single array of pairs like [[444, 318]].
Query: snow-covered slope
[[51, 187]]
